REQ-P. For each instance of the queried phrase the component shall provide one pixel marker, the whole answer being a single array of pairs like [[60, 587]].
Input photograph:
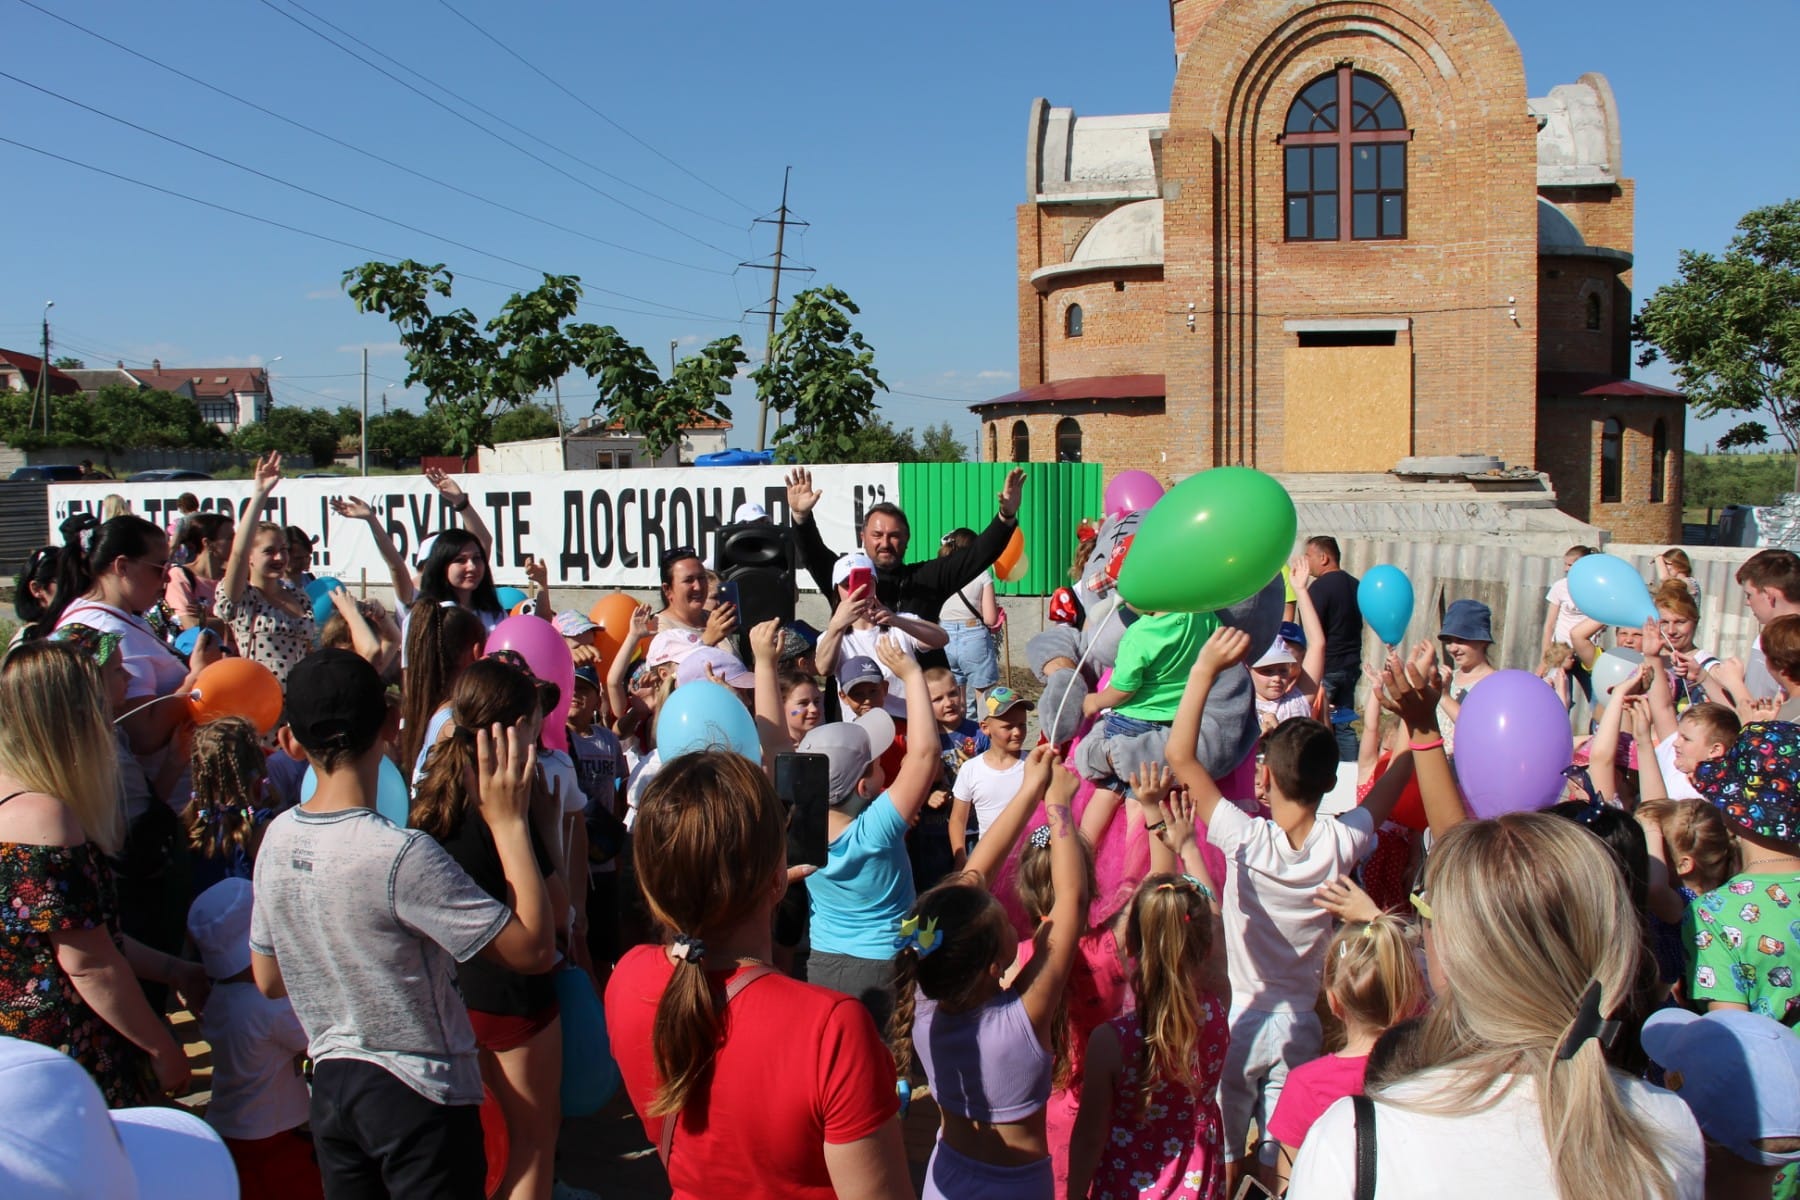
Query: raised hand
[[1346, 901], [1037, 767], [1150, 783], [1226, 648], [642, 619], [505, 767], [721, 623], [452, 490], [1300, 573], [1178, 819], [1013, 493], [1412, 695], [268, 472], [801, 494], [352, 508], [852, 606], [765, 641], [898, 662]]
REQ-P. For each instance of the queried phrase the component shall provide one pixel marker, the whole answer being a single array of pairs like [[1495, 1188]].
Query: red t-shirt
[[800, 1066], [1311, 1089]]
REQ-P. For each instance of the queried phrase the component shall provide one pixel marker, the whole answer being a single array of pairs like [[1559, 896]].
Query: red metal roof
[[1092, 387], [210, 383], [30, 366], [1570, 383]]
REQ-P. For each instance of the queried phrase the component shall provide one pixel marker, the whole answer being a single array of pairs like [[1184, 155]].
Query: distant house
[[605, 445], [20, 372], [227, 396]]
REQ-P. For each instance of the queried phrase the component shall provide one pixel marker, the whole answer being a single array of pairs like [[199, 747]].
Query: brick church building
[[1352, 239]]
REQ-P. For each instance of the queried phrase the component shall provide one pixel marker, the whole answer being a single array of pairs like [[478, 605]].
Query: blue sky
[[904, 124]]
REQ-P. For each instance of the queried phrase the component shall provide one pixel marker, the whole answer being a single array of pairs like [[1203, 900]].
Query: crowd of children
[[1594, 1000]]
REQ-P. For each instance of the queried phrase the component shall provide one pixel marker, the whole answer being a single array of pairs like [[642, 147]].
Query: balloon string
[[1061, 704], [146, 704]]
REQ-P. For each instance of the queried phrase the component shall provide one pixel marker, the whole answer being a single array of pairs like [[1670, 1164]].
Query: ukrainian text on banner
[[594, 528]]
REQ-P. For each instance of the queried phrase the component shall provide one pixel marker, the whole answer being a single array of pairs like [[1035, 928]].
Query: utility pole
[[672, 344], [562, 430], [782, 219], [365, 420], [44, 373]]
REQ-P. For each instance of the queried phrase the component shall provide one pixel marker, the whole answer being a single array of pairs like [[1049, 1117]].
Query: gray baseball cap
[[859, 668], [851, 749]]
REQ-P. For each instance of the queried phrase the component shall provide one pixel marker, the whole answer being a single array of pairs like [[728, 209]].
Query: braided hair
[[230, 773]]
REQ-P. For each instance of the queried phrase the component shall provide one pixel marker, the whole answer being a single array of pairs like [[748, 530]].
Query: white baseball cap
[[671, 646], [59, 1141], [749, 511], [1282, 651], [724, 663], [841, 569]]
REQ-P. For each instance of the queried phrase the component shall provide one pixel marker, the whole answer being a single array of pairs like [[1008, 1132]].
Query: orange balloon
[[613, 615], [1011, 564], [237, 687]]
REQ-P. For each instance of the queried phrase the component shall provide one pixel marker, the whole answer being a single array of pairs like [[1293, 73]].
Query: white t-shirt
[[1274, 935], [152, 667], [1679, 786], [1496, 1154], [1758, 679], [954, 608], [642, 772], [989, 788], [1567, 615], [257, 1089], [862, 642]]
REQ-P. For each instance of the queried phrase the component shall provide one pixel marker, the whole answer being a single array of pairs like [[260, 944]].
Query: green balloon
[[1213, 540]]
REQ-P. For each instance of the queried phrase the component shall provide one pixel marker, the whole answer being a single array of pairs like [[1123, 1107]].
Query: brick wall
[[1566, 287], [1122, 330], [1569, 451], [1112, 433]]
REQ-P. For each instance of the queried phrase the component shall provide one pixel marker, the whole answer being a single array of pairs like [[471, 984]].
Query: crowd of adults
[[412, 909]]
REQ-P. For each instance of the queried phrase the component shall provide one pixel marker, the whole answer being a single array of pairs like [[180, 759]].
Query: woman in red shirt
[[795, 1095]]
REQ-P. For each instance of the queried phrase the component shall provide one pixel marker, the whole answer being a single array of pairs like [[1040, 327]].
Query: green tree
[[118, 418], [1730, 327], [470, 372], [525, 423], [301, 434], [634, 394], [404, 434], [820, 379], [68, 363], [939, 443]]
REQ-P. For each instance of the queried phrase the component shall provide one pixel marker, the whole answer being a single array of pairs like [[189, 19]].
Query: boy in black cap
[[360, 924]]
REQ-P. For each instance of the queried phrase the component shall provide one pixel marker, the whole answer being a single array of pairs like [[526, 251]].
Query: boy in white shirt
[[987, 783], [1275, 936], [259, 1098]]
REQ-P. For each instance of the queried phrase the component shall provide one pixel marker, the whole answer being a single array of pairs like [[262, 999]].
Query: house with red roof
[[228, 396], [20, 372]]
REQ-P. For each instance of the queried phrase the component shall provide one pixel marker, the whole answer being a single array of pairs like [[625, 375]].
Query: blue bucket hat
[[1468, 621]]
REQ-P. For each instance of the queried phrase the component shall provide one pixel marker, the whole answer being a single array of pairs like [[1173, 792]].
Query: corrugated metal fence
[[1512, 582], [23, 525], [939, 497]]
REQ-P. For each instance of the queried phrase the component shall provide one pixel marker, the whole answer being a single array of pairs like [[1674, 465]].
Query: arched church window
[[1072, 321], [1068, 440], [1345, 176], [1659, 461], [1612, 449], [1021, 440], [1593, 310]]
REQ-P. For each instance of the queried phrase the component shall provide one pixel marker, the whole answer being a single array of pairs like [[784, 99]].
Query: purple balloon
[[1512, 744], [549, 658], [1129, 492]]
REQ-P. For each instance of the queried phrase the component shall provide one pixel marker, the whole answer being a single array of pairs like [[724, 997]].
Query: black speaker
[[759, 559]]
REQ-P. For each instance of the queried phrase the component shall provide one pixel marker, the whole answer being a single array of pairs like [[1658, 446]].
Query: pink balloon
[[1131, 491], [536, 641]]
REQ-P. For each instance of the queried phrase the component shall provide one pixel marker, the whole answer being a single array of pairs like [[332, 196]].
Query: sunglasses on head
[[674, 555], [549, 695]]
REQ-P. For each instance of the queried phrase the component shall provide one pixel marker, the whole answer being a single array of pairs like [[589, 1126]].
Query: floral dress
[[1173, 1146], [46, 890], [268, 632]]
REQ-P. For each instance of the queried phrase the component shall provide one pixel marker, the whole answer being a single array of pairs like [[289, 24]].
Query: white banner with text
[[594, 528]]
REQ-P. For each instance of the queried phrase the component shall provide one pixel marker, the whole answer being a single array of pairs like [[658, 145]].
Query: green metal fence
[[941, 496]]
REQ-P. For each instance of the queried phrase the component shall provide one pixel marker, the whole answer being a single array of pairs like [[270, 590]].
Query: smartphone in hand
[[803, 784], [860, 577]]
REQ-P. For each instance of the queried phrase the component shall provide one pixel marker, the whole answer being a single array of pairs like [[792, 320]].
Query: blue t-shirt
[[865, 889]]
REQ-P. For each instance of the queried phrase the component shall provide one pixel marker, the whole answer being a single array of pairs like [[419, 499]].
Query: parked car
[[166, 475], [48, 473]]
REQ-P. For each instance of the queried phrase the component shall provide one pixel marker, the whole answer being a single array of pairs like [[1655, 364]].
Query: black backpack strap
[[743, 980], [1365, 1147]]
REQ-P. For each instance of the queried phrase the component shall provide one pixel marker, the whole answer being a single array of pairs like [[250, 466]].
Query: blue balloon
[[1610, 590], [392, 798], [590, 1076], [511, 597], [1385, 596], [319, 592], [704, 715]]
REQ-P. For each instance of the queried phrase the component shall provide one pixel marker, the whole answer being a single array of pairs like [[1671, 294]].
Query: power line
[[557, 84], [317, 195], [366, 153], [471, 121], [322, 237]]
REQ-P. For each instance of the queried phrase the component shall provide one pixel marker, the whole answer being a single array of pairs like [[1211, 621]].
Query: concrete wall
[[124, 463]]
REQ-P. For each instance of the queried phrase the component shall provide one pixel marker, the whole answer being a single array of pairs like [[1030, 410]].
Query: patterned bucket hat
[[1757, 784], [90, 641]]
